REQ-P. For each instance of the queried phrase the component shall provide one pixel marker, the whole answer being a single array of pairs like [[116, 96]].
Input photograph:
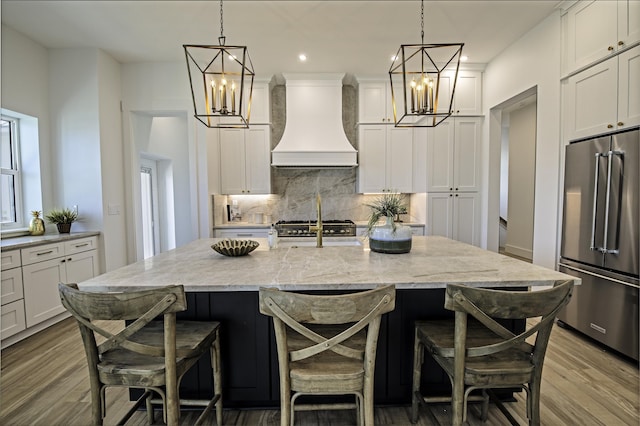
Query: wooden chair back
[[295, 309], [140, 306], [487, 305]]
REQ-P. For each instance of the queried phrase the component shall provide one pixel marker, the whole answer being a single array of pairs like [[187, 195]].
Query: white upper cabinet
[[385, 159], [260, 107], [467, 99], [374, 102], [453, 151], [245, 160], [589, 35], [604, 97]]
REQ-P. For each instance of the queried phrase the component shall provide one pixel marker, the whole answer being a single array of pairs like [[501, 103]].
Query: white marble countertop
[[432, 263], [30, 240]]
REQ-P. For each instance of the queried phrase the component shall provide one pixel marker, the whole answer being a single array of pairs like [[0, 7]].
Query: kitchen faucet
[[318, 228]]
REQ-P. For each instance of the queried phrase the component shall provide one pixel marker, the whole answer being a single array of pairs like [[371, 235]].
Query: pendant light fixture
[[221, 79], [423, 81]]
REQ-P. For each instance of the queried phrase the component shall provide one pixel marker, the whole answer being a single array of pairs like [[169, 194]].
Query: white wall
[[112, 162], [522, 146], [25, 89], [534, 60]]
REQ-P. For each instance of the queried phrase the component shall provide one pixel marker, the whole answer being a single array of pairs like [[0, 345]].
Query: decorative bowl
[[235, 247]]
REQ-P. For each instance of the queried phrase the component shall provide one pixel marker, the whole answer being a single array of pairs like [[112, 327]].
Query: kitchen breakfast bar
[[225, 289]]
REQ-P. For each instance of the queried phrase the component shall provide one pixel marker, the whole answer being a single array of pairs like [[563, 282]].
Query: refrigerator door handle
[[605, 248], [595, 202]]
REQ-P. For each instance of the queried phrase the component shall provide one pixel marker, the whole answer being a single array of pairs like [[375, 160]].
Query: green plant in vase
[[387, 205], [62, 218], [390, 237]]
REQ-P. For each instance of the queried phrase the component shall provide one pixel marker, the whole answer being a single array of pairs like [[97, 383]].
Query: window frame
[[16, 172]]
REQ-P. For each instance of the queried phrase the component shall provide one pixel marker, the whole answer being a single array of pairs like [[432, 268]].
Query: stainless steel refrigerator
[[600, 238]]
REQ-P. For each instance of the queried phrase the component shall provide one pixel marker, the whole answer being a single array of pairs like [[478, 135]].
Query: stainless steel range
[[305, 228]]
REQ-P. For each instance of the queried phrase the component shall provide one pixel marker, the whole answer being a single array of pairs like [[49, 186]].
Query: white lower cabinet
[[454, 215], [12, 320], [50, 264]]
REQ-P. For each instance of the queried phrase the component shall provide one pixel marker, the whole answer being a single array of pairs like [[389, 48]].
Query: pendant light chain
[[422, 21], [222, 38]]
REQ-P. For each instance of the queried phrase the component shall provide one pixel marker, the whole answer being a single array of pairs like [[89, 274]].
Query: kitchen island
[[226, 289]]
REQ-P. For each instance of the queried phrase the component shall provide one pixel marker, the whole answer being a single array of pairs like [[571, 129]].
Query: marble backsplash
[[294, 198]]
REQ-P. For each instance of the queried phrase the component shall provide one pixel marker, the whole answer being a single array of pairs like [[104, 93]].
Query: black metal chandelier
[[221, 80], [418, 93]]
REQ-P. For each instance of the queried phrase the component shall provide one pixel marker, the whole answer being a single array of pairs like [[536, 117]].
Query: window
[[10, 183]]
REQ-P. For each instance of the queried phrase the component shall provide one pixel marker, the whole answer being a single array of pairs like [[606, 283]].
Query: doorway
[[149, 207], [517, 175]]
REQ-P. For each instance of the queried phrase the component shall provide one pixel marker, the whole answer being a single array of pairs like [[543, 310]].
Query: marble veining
[[432, 263]]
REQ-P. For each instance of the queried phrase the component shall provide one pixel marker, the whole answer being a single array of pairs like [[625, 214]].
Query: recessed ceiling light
[[302, 57], [464, 58], [394, 57]]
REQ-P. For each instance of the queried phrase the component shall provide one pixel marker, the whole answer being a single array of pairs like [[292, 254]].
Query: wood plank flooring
[[43, 381]]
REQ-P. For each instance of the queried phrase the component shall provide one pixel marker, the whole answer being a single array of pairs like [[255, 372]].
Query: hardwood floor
[[43, 381]]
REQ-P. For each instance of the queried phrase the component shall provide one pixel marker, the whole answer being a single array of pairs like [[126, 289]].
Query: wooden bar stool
[[146, 354], [477, 352], [327, 346]]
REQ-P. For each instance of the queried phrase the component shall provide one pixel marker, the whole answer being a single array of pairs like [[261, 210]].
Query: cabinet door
[[588, 36], [628, 22], [629, 88], [440, 214], [372, 153], [41, 298], [12, 319], [468, 94], [82, 266], [232, 161], [260, 111], [466, 214], [399, 159], [10, 259], [372, 102], [257, 160], [11, 286], [440, 149], [466, 154], [420, 159], [592, 100]]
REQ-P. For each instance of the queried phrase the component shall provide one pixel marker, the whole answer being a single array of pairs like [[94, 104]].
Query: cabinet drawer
[[10, 259], [80, 245], [11, 286], [243, 234], [12, 320], [40, 253]]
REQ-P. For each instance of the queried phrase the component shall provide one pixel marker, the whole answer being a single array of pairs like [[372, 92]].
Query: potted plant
[[389, 237], [62, 218]]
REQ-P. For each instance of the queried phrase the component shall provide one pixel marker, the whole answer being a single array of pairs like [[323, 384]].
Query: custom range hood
[[313, 134]]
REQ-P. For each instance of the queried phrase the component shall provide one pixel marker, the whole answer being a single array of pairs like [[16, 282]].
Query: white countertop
[[432, 263]]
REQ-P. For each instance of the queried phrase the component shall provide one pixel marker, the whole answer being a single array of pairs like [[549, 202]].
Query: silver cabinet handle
[[42, 253]]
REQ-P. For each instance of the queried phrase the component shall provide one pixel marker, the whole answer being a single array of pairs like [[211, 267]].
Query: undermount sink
[[326, 242]]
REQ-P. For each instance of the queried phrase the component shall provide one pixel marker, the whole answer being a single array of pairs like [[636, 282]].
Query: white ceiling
[[356, 37]]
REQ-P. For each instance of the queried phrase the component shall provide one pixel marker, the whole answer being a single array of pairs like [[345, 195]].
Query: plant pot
[[386, 239], [64, 228]]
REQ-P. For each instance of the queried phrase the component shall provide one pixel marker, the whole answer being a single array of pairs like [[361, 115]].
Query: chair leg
[[485, 406], [418, 359], [98, 404], [533, 403], [217, 377], [149, 405]]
